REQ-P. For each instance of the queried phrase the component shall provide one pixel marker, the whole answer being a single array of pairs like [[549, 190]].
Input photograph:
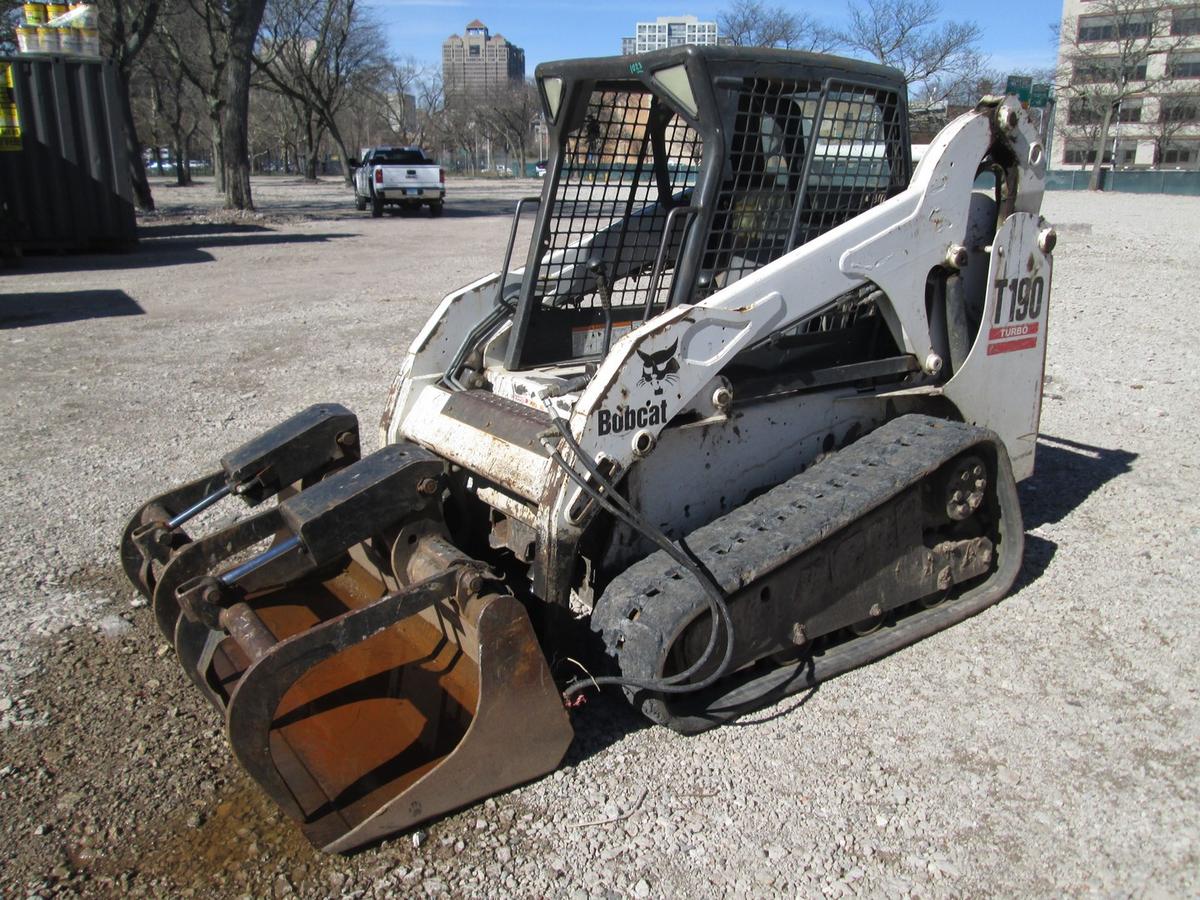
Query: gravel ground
[[1045, 747]]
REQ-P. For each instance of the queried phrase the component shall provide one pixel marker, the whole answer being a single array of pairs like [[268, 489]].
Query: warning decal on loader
[[588, 340]]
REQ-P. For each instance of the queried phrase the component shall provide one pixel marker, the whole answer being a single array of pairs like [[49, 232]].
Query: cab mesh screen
[[800, 163], [623, 169]]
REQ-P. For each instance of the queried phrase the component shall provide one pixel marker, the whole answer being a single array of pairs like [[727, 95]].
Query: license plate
[[412, 192]]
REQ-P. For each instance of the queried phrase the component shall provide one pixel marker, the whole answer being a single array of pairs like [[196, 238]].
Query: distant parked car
[[539, 168]]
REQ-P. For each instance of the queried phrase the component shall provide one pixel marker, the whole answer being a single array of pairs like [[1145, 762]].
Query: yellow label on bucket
[[10, 138], [10, 122]]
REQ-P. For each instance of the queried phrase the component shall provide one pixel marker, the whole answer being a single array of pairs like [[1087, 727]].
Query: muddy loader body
[[749, 411]]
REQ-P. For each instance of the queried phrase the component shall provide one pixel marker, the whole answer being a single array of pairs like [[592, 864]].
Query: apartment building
[[669, 31], [1154, 47], [478, 63]]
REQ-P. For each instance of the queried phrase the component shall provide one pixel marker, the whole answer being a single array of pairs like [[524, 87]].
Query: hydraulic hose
[[609, 499]]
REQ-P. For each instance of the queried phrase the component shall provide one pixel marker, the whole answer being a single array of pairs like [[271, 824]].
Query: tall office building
[[669, 31], [1158, 46], [478, 63]]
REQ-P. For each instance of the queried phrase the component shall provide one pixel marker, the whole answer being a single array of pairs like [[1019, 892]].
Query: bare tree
[[213, 42], [1106, 65], [317, 52], [750, 23], [242, 18], [275, 133], [193, 33], [937, 57], [431, 103], [126, 26], [1080, 124], [1174, 115], [174, 107], [511, 113], [396, 98]]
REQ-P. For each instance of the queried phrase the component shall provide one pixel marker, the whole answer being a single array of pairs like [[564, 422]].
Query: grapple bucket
[[401, 709], [371, 675]]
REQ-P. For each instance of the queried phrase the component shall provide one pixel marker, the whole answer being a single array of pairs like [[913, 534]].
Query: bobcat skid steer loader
[[751, 412]]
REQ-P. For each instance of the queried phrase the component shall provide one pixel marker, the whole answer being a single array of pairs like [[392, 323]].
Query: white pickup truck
[[400, 176]]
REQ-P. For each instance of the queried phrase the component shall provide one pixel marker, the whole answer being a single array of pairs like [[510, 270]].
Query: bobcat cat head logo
[[659, 367]]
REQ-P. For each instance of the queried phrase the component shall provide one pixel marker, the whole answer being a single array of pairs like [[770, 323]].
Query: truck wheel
[[360, 203], [376, 207], [435, 208]]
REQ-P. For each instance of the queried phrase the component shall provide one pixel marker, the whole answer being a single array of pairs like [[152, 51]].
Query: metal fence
[[64, 178], [1157, 181]]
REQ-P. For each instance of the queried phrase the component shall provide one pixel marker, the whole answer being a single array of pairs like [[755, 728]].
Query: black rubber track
[[647, 607]]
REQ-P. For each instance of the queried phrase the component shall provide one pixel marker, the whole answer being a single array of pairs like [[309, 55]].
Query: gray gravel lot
[[1048, 746]]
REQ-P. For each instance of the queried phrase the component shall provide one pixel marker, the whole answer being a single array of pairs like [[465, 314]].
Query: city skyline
[[1016, 38]]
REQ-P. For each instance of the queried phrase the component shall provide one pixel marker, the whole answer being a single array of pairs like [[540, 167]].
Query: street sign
[[1020, 85], [1039, 96]]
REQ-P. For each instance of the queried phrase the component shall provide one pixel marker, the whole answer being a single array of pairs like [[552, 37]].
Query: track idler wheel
[[965, 488]]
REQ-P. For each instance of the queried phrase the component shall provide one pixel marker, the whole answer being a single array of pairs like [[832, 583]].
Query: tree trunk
[[310, 149], [186, 165], [133, 147], [347, 172], [181, 171], [243, 29], [218, 153], [1101, 142]]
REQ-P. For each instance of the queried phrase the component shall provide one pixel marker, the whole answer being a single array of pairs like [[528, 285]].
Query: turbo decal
[[1010, 338], [626, 418]]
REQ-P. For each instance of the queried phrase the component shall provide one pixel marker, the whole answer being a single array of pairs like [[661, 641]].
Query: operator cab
[[673, 174]]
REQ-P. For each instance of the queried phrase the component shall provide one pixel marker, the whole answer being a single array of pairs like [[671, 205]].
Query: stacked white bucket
[[59, 29]]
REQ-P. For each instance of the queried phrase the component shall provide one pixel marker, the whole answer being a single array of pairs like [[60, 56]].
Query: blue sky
[[1016, 34]]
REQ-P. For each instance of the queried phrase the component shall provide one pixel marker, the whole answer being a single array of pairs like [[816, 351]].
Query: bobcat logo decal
[[659, 367]]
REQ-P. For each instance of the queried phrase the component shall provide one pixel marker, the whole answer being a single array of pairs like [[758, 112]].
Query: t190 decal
[[1018, 306]]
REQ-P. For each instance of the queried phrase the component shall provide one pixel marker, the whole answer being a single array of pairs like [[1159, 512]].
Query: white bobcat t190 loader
[[750, 408]]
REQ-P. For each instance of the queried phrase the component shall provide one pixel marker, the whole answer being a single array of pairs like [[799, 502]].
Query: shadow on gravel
[[794, 704], [50, 307], [181, 247], [471, 209], [605, 719], [455, 209], [196, 229], [1066, 474]]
